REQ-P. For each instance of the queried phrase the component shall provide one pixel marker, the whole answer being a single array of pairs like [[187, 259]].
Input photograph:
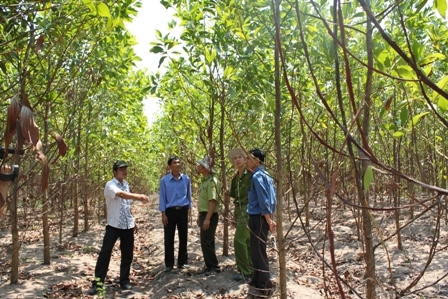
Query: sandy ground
[[72, 266], [71, 270]]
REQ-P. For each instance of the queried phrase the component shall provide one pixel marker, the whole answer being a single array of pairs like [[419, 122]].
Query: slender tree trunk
[[76, 182], [396, 194], [364, 194], [15, 262], [45, 203], [279, 158], [225, 244], [86, 188]]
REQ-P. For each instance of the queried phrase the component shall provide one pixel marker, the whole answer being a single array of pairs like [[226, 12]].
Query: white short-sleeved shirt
[[118, 209]]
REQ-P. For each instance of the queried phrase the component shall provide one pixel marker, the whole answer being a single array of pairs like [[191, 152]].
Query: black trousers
[[208, 240], [259, 229], [127, 253], [179, 219]]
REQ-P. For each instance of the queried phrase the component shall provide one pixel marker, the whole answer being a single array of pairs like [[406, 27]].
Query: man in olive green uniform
[[239, 191], [209, 205]]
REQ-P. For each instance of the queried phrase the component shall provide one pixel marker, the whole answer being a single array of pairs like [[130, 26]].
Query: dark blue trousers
[[127, 253], [259, 228], [179, 219]]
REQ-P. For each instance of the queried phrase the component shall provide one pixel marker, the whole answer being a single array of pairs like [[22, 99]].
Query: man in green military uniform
[[209, 205], [238, 191]]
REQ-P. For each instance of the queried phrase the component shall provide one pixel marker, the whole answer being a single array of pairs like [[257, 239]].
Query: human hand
[[272, 226], [206, 225], [164, 219], [143, 198]]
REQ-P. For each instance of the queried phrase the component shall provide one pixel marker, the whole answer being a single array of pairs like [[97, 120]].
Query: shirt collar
[[118, 182], [173, 178], [259, 168], [206, 177]]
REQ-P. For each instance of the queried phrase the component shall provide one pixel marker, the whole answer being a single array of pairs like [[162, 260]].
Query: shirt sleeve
[[262, 190], [111, 190], [211, 192], [162, 196], [232, 192], [189, 192]]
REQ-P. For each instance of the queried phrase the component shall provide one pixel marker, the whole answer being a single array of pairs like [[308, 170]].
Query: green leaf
[[368, 178], [103, 10], [210, 56], [404, 116], [156, 49], [431, 58], [442, 83], [161, 60], [416, 118], [228, 72], [442, 103], [398, 134], [441, 7], [406, 72], [90, 5]]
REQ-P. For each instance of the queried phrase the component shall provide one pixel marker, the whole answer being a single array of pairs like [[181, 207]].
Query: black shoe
[[212, 271], [269, 292], [241, 277], [184, 266], [92, 290], [168, 269], [126, 286]]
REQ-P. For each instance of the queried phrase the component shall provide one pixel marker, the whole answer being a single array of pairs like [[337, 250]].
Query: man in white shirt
[[120, 224]]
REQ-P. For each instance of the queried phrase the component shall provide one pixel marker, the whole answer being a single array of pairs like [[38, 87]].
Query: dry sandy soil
[[73, 262]]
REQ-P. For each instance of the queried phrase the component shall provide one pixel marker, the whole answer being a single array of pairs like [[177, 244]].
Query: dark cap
[[172, 158], [258, 153], [118, 164]]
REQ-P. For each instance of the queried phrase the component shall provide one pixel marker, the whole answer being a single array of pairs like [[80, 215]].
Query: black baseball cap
[[118, 164], [258, 153]]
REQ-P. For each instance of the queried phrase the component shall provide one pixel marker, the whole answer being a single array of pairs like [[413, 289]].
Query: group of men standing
[[254, 198]]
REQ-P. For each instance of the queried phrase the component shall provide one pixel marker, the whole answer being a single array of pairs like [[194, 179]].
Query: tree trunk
[[15, 262], [225, 244], [45, 203], [364, 194], [279, 158], [86, 188], [76, 182]]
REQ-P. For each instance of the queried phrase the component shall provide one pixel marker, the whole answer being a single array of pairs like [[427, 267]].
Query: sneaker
[[168, 269]]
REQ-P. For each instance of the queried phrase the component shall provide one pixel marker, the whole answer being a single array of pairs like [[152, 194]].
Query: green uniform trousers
[[241, 240]]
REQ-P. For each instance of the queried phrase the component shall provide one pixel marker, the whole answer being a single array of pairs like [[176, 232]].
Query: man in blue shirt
[[174, 203], [262, 202]]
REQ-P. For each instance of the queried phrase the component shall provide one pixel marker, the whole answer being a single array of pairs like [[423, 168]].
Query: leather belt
[[178, 207]]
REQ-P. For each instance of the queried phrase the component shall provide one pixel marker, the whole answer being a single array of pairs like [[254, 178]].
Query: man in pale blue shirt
[[262, 202], [174, 203]]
